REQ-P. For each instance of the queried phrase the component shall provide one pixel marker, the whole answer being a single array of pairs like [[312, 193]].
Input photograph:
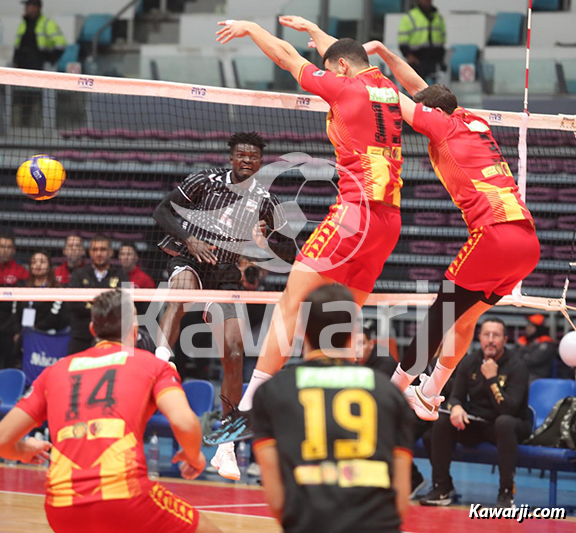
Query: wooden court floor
[[242, 509]]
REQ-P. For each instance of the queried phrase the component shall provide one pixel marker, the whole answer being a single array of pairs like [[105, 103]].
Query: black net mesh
[[124, 153]]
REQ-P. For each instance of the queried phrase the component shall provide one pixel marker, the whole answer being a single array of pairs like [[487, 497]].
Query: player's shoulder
[[207, 174]]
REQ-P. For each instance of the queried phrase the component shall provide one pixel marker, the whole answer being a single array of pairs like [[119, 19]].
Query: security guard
[[421, 38], [39, 39]]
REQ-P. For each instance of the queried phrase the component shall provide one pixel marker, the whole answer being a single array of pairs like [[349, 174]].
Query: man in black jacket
[[98, 275], [489, 403]]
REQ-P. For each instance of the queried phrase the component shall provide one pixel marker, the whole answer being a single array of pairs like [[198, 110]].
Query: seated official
[[491, 386]]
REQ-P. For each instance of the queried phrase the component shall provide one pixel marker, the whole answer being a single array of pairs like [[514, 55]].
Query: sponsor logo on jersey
[[335, 378], [319, 73], [384, 95], [88, 363], [426, 109]]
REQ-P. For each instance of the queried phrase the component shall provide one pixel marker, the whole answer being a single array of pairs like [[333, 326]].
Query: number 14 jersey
[[97, 404]]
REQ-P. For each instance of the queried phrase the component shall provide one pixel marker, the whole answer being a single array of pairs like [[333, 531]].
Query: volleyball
[[567, 349], [40, 177]]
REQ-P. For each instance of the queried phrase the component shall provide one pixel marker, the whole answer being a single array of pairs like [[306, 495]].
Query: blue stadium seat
[[544, 393], [381, 7], [11, 388], [70, 55], [462, 54], [546, 5], [92, 25], [200, 394], [507, 30]]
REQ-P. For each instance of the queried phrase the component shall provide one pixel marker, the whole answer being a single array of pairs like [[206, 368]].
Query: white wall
[[199, 31], [482, 6], [550, 28], [69, 7]]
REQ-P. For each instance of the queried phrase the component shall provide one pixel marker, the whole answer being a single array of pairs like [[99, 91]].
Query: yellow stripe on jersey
[[504, 203], [113, 469], [59, 476]]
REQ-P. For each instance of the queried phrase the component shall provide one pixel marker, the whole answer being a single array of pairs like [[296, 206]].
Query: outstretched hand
[[233, 29], [295, 22]]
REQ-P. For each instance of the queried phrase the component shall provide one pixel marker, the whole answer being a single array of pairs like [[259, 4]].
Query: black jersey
[[337, 427], [223, 213]]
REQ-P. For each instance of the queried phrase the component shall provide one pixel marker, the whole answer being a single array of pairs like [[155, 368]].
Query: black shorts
[[225, 277]]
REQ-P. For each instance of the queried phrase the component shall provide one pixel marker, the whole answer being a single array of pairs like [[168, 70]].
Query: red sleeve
[[430, 122], [34, 401], [166, 379], [323, 83]]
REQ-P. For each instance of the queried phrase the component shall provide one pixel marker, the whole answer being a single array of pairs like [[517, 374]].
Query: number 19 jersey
[[337, 427], [97, 404]]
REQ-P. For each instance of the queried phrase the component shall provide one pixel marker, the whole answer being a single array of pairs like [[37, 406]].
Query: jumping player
[[364, 125], [502, 249], [232, 209], [97, 403]]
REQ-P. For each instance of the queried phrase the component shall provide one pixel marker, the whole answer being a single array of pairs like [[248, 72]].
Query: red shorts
[[352, 243], [152, 511], [495, 258]]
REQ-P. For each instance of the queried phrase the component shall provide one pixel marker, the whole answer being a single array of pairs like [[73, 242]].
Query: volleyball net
[[127, 143]]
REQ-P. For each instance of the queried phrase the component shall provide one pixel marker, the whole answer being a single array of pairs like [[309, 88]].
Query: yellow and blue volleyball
[[40, 177]]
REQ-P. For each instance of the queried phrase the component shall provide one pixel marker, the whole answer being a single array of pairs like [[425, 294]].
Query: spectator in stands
[[99, 275], [39, 39], [129, 258], [44, 316], [74, 252], [489, 403], [536, 349], [11, 273], [421, 38]]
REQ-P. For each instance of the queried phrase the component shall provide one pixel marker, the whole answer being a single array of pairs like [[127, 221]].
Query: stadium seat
[[426, 247], [381, 7], [430, 191], [200, 394], [430, 219], [537, 279], [462, 54], [546, 5], [544, 393], [92, 25], [541, 194], [70, 55], [11, 388], [507, 30]]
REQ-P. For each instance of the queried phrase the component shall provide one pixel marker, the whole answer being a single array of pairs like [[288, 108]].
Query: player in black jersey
[[333, 438], [209, 219]]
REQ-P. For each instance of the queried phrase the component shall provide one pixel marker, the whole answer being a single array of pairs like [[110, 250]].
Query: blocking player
[[364, 125], [234, 208], [333, 439], [97, 403], [502, 249]]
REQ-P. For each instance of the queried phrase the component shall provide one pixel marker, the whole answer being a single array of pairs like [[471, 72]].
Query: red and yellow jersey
[[97, 404], [364, 125], [470, 165]]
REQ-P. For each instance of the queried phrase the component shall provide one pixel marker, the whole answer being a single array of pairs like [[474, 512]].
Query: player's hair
[[107, 314], [320, 318], [130, 244], [75, 236], [367, 330], [437, 96], [349, 49], [7, 234], [498, 321], [251, 137], [50, 276], [101, 237]]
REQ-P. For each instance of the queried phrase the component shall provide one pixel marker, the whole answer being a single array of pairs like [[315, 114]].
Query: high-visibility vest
[[418, 31], [48, 34]]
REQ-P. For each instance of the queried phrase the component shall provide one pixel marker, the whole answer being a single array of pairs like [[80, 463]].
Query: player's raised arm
[[321, 39], [403, 72], [279, 51]]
